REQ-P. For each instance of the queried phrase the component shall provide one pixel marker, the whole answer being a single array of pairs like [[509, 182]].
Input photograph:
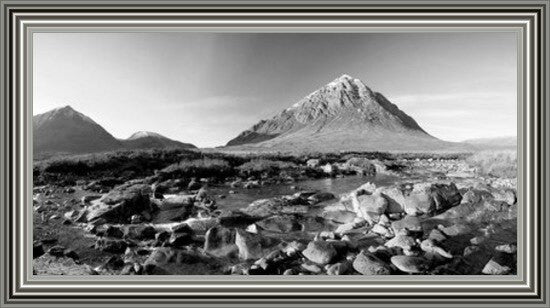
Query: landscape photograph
[[289, 154]]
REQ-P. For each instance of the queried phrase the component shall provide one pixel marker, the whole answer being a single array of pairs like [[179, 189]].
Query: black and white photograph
[[204, 153]]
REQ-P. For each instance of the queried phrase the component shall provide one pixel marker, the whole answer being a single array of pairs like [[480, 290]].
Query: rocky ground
[[440, 217]]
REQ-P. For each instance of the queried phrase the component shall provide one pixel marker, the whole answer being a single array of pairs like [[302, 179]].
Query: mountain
[[69, 131], [344, 115], [65, 130], [147, 140], [508, 142]]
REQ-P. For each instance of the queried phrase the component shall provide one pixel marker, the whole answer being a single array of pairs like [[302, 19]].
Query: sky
[[206, 88]]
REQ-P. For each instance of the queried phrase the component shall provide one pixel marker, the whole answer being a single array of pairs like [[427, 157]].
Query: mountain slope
[[66, 130], [344, 115], [148, 140]]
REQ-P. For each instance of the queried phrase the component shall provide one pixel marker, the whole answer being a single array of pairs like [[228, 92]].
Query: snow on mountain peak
[[145, 134]]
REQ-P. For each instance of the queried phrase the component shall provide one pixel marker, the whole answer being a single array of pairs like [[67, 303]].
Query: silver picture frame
[[21, 19]]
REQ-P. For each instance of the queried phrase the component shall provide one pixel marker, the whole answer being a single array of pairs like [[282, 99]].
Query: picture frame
[[21, 19]]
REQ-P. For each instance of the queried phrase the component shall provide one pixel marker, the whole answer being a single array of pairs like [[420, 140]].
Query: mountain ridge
[[65, 130]]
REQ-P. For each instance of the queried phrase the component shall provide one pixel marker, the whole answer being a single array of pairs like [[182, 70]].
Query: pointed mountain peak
[[66, 112], [345, 107], [145, 134]]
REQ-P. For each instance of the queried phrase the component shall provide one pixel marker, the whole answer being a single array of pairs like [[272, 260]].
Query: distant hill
[[344, 115], [509, 142], [65, 130], [68, 131], [148, 140]]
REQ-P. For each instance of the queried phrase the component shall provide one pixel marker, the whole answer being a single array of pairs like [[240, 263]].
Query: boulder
[[454, 230], [409, 223], [474, 196], [253, 246], [367, 263], [121, 203], [113, 231], [395, 198], [201, 225], [176, 202], [340, 268], [403, 241], [180, 239], [113, 246], [430, 247], [507, 248], [320, 252], [220, 241], [140, 232], [431, 199], [320, 197], [383, 231], [410, 264], [340, 217], [505, 195], [494, 268]]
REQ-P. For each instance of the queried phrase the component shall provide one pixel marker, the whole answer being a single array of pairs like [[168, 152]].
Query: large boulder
[[175, 208], [395, 197], [121, 203], [177, 201], [431, 199], [140, 232], [253, 246], [320, 252], [220, 241], [367, 263], [370, 207], [201, 225]]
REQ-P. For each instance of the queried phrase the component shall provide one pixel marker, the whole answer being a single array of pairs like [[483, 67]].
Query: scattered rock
[[507, 248], [403, 241], [320, 197], [367, 263], [220, 241], [340, 268], [493, 268], [320, 252], [410, 264], [113, 246], [252, 246]]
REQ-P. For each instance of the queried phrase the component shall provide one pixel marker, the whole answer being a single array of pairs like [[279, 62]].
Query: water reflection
[[337, 186]]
